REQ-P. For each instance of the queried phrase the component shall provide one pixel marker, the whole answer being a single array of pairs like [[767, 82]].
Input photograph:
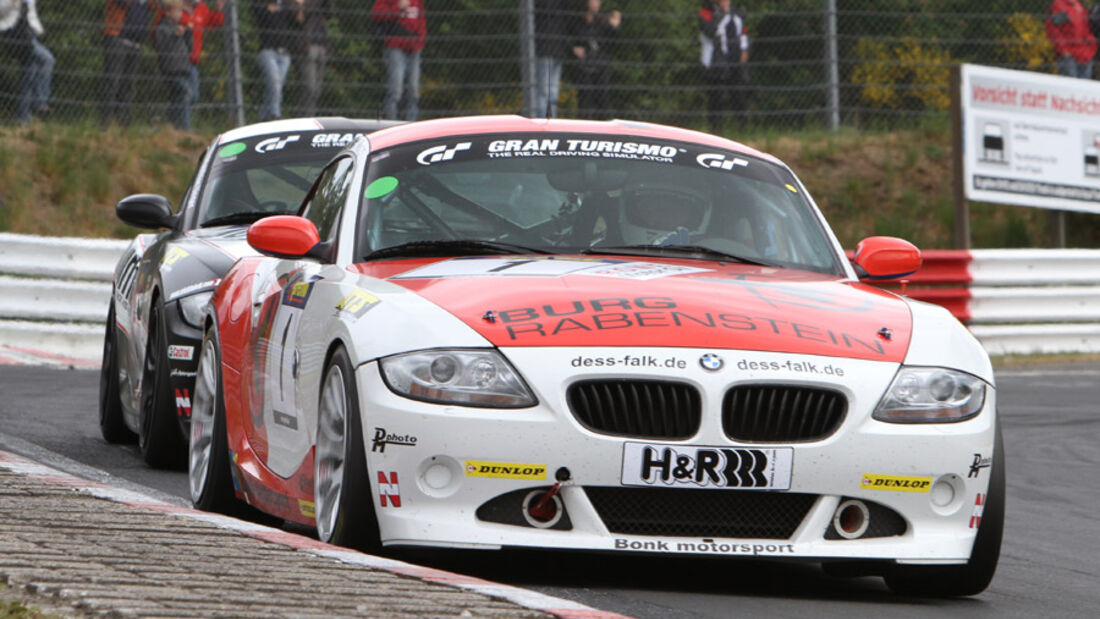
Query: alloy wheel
[[329, 465]]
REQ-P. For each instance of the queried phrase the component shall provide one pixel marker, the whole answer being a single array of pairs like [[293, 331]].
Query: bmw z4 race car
[[163, 279], [604, 336]]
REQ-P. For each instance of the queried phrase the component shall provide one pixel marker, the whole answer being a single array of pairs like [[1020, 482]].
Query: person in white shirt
[[21, 29], [724, 47]]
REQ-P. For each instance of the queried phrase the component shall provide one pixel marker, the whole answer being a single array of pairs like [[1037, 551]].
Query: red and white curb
[[528, 599]]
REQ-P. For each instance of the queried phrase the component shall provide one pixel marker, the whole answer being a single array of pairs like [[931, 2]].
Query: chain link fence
[[811, 62]]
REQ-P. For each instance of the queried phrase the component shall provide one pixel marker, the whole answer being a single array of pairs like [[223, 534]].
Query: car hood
[[582, 301], [228, 242]]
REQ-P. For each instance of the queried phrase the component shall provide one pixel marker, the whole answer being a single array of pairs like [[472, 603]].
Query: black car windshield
[[558, 193], [265, 175]]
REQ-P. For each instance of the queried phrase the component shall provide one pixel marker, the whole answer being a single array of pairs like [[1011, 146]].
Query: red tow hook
[[544, 509]]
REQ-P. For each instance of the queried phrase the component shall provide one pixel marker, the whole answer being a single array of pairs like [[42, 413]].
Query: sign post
[[962, 207]]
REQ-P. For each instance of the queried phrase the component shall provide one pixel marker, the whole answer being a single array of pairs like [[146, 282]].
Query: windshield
[[589, 194], [263, 175]]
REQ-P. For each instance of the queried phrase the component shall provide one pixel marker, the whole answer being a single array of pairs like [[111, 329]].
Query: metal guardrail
[[59, 257], [54, 294]]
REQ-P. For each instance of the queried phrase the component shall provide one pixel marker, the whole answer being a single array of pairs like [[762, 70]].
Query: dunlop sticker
[[505, 470], [896, 483]]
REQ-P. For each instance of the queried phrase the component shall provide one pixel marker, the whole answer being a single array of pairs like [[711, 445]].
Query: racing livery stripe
[[669, 303]]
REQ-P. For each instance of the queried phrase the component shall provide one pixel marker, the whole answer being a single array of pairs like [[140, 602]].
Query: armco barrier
[[53, 298], [1016, 301], [54, 293], [59, 257]]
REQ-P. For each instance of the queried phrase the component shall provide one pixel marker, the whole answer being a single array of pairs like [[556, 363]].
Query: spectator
[[313, 52], [124, 30], [405, 28], [198, 18], [592, 34], [724, 46], [551, 47], [277, 25], [21, 27], [1069, 33], [173, 44]]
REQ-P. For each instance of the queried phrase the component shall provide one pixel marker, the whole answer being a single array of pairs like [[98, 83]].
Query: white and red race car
[[499, 332]]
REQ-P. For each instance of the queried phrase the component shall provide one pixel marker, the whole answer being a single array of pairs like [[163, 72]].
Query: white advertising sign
[[1031, 139]]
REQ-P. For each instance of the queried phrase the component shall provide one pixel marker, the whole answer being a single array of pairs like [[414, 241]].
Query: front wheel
[[160, 440], [208, 453], [344, 511], [975, 576], [111, 424]]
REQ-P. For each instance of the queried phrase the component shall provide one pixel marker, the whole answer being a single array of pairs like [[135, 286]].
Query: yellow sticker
[[173, 256], [298, 294], [307, 509], [896, 483], [357, 302], [791, 187], [505, 470]]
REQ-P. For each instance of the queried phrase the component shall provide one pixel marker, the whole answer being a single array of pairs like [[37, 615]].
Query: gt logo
[[711, 160], [436, 154], [271, 144]]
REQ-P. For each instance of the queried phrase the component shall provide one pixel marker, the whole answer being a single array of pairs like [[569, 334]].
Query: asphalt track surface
[[1049, 560]]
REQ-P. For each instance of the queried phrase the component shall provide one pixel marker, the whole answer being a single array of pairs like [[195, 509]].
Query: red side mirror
[[285, 236], [887, 257]]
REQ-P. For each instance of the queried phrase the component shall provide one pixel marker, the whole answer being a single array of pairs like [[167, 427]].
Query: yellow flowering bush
[[1026, 44], [907, 74]]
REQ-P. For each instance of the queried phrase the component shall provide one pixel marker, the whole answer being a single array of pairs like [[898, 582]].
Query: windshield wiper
[[689, 251], [245, 217], [455, 247]]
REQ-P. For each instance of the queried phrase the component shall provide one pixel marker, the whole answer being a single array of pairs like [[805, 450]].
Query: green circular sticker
[[380, 187], [232, 150]]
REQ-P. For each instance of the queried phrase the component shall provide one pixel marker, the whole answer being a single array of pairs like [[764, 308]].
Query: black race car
[[164, 279]]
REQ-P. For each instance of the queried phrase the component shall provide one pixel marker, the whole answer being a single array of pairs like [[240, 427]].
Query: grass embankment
[[12, 606], [64, 180]]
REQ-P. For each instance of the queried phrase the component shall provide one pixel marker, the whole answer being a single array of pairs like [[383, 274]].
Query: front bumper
[[444, 475]]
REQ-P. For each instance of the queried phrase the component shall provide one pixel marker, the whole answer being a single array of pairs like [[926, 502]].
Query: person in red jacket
[[1068, 30], [405, 28], [198, 18]]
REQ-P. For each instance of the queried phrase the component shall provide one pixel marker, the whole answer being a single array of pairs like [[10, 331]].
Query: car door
[[283, 309]]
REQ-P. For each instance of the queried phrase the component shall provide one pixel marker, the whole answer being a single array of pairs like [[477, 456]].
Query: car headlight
[[191, 307], [931, 395], [462, 377]]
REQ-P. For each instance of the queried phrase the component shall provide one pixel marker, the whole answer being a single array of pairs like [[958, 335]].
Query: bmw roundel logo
[[711, 362]]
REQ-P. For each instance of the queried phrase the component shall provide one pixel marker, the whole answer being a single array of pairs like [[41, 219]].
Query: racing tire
[[208, 473], [342, 499], [159, 439], [973, 577], [111, 423]]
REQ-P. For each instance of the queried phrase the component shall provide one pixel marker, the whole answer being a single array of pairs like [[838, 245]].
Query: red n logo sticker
[[389, 494]]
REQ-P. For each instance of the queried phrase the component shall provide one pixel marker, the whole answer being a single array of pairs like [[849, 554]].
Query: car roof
[[327, 123], [471, 125]]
